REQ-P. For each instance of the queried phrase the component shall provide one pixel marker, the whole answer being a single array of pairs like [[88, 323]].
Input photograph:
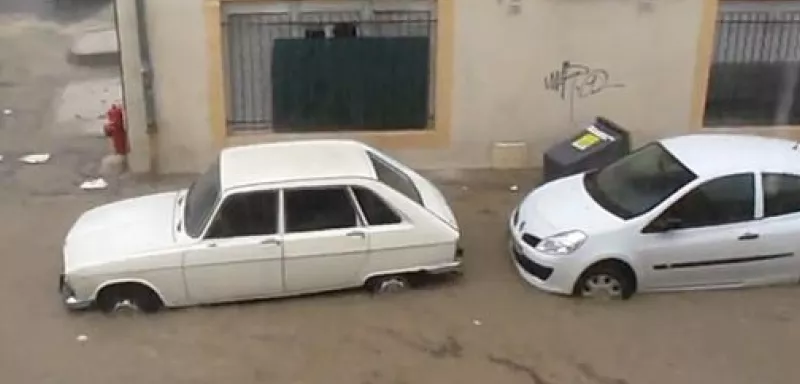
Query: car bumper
[[548, 273], [68, 297], [451, 267]]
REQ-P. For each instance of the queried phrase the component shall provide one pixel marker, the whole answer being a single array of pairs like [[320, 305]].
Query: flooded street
[[56, 10], [485, 327]]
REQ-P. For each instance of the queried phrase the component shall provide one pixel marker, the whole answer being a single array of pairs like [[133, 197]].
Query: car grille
[[540, 271], [531, 240]]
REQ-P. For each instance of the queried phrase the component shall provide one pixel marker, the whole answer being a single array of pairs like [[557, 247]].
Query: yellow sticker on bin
[[586, 141]]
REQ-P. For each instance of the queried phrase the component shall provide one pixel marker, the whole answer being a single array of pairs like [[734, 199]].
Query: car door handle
[[211, 245], [360, 234], [748, 236], [271, 242]]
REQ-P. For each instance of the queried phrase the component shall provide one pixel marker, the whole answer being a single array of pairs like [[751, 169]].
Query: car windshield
[[200, 200], [638, 182], [394, 178]]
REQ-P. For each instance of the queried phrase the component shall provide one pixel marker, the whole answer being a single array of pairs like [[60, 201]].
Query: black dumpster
[[598, 145]]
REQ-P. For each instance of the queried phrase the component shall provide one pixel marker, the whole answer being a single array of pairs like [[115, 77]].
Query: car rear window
[[394, 178]]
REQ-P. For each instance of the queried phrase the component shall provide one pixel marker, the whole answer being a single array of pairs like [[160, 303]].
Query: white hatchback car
[[692, 212], [264, 221]]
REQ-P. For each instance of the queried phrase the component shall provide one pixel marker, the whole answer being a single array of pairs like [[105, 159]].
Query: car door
[[391, 235], [240, 256], [778, 230], [712, 239], [325, 243]]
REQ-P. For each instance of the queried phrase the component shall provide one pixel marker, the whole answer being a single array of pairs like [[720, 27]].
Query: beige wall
[[179, 57], [500, 60]]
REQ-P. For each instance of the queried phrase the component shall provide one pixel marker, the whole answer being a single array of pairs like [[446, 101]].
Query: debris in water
[[94, 184], [35, 158]]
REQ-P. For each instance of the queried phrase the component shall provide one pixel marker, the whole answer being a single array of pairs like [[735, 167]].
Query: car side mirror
[[665, 224]]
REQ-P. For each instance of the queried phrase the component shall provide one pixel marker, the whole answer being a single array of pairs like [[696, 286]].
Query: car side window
[[725, 200], [376, 210], [246, 214], [781, 194], [318, 209]]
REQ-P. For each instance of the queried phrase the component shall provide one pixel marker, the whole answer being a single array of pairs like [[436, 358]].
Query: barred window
[[338, 65], [756, 65]]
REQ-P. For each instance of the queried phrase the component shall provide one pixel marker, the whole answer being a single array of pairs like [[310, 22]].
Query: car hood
[[119, 230], [564, 205]]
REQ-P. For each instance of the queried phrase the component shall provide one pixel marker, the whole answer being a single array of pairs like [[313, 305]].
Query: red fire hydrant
[[115, 129]]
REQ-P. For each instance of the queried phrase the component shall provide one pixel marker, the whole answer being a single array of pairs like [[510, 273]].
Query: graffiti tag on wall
[[578, 81]]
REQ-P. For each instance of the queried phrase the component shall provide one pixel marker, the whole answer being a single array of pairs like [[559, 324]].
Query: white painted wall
[[501, 61], [139, 158]]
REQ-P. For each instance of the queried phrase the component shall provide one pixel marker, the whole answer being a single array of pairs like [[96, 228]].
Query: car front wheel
[[606, 281], [128, 298]]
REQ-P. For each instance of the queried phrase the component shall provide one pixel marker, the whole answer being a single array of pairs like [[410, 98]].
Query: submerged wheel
[[382, 285], [128, 298], [606, 280]]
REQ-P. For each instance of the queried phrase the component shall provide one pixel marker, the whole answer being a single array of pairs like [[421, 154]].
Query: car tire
[[390, 284], [608, 280], [128, 298]]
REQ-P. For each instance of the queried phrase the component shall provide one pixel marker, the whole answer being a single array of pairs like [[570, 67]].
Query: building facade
[[439, 83]]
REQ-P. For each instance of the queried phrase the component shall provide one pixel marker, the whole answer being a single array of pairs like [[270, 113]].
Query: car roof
[[710, 155], [293, 161]]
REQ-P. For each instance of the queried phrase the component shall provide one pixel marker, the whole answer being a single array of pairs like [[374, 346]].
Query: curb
[[100, 59]]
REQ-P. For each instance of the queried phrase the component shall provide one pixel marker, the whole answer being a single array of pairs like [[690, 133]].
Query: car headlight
[[562, 243]]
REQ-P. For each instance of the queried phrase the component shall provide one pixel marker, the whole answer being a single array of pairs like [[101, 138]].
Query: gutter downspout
[[147, 67]]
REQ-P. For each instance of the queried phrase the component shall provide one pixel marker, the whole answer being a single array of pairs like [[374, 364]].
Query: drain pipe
[[147, 67]]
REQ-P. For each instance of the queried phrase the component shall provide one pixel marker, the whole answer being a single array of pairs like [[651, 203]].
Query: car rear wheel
[[605, 281], [128, 299], [382, 285]]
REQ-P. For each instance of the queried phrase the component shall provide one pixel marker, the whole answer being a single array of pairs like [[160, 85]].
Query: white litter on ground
[[1, 158], [36, 158], [7, 112], [94, 184], [476, 322], [513, 188], [82, 338]]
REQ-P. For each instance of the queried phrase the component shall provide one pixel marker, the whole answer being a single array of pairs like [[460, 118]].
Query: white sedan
[[264, 221], [693, 212]]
